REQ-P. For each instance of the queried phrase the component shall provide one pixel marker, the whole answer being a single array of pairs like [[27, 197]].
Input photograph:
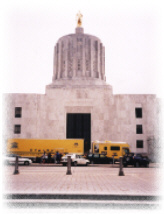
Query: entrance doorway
[[79, 126]]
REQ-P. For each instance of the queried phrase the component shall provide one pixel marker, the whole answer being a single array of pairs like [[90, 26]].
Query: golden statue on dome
[[79, 19]]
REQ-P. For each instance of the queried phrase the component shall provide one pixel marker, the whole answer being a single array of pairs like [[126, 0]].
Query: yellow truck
[[35, 148], [111, 149]]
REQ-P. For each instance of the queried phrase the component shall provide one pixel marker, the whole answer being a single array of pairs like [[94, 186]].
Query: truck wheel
[[137, 164], [26, 163], [75, 163], [146, 165]]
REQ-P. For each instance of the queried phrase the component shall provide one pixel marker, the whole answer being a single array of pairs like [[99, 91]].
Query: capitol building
[[79, 103]]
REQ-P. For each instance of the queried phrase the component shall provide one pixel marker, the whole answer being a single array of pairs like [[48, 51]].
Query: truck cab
[[111, 149]]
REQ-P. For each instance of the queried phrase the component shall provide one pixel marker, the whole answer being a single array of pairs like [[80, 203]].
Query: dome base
[[79, 83], [82, 81]]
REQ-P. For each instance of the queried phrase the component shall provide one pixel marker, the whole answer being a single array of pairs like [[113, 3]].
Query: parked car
[[98, 159], [75, 160], [136, 160], [10, 159]]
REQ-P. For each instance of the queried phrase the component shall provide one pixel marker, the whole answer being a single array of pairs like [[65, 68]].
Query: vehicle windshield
[[126, 150], [68, 154]]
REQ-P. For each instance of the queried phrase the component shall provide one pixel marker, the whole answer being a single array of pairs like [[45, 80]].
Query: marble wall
[[112, 116]]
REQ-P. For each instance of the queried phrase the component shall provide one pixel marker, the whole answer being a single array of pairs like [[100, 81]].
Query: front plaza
[[49, 186]]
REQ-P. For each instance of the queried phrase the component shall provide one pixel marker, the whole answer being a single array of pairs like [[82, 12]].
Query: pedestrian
[[54, 158], [49, 157], [44, 157], [60, 156], [57, 157]]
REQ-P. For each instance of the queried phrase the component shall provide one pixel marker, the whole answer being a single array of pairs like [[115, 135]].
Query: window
[[105, 148], [96, 149], [138, 112], [139, 129], [17, 129], [14, 145], [18, 112], [96, 45], [126, 150], [79, 66], [116, 148], [102, 156], [139, 144], [96, 155], [138, 155], [79, 39]]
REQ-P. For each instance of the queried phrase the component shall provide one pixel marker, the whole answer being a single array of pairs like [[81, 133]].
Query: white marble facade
[[79, 86]]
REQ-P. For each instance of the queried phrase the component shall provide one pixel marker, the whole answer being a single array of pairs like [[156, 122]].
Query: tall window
[[138, 112], [139, 129], [78, 65], [139, 144], [17, 129], [18, 112]]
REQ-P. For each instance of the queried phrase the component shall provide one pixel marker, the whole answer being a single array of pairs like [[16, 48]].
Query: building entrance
[[79, 126]]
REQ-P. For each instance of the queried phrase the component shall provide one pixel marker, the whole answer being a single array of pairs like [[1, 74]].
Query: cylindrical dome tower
[[79, 59]]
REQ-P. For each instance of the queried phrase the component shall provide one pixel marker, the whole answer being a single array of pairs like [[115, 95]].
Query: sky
[[130, 30]]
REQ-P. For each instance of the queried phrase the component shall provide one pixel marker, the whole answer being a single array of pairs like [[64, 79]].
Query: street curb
[[83, 197]]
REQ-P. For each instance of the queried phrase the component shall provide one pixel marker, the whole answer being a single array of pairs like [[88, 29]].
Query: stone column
[[91, 54], [66, 58], [83, 58], [74, 56], [55, 64], [59, 60], [103, 62], [101, 75]]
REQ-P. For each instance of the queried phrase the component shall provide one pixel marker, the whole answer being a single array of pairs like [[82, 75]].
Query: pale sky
[[131, 32]]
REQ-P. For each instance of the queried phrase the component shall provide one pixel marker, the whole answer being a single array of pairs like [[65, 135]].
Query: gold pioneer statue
[[79, 19]]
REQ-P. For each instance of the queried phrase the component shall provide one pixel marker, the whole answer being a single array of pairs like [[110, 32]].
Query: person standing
[[44, 157], [54, 158], [57, 157], [49, 157]]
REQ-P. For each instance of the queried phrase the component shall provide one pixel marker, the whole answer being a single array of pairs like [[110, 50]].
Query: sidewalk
[[86, 184]]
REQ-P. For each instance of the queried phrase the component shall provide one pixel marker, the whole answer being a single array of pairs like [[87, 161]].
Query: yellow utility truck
[[111, 149], [35, 148]]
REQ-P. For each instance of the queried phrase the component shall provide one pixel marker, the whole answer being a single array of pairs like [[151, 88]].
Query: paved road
[[99, 183]]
